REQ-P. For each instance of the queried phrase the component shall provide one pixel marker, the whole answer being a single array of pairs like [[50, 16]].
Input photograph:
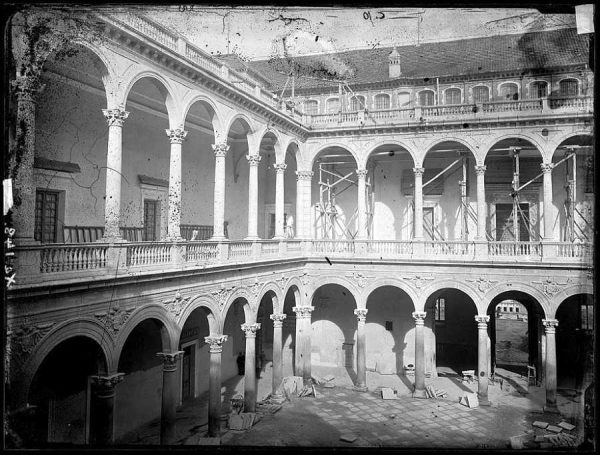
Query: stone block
[[566, 426], [348, 437], [388, 394], [540, 424], [554, 429]]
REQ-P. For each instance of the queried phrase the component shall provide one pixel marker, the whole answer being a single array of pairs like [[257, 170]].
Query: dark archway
[[291, 300]]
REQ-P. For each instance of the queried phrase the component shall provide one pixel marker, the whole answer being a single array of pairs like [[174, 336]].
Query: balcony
[[38, 265], [496, 110]]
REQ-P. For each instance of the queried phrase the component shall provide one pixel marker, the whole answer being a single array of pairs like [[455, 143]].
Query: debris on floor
[[242, 421], [433, 393], [348, 437], [567, 426], [325, 381], [546, 436], [292, 385], [237, 403], [468, 376], [267, 408], [307, 391], [470, 400], [539, 424], [388, 394]]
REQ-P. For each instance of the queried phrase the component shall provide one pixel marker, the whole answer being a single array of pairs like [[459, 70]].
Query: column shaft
[[548, 212], [170, 395], [279, 199], [419, 354], [303, 341], [220, 150], [253, 161], [418, 206], [214, 384], [112, 207], [176, 137], [102, 409], [250, 367], [482, 359], [550, 373], [361, 350], [300, 234], [362, 206], [277, 351], [481, 211]]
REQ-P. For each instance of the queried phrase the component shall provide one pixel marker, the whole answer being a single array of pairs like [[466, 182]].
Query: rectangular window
[[151, 219], [587, 317], [481, 94], [440, 309], [452, 96], [311, 107], [504, 222], [46, 216], [382, 101]]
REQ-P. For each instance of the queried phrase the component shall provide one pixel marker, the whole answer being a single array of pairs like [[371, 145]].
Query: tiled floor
[[404, 422]]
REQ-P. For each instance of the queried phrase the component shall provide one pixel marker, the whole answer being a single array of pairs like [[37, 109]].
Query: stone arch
[[334, 144], [392, 282], [252, 128], [293, 281], [297, 154], [171, 101], [558, 141], [498, 289], [438, 285], [563, 295], [473, 148], [272, 286], [249, 306], [211, 310], [362, 164], [217, 120], [89, 328], [169, 329], [334, 280], [530, 138]]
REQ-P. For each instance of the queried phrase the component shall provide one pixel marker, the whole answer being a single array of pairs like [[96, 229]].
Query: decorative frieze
[[280, 167], [176, 304], [115, 117], [482, 283], [550, 287], [418, 280], [26, 87], [22, 340], [250, 329], [361, 314], [222, 294], [281, 281], [359, 278], [114, 319]]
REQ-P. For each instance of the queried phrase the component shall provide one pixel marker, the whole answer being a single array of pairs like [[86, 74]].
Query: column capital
[[169, 359], [361, 314], [280, 167], [215, 342], [220, 149], [277, 319], [547, 167], [107, 381], [177, 135], [303, 311], [251, 329], [482, 321], [253, 160], [27, 87], [361, 173], [419, 171], [419, 317], [116, 116], [304, 175], [480, 170], [550, 325]]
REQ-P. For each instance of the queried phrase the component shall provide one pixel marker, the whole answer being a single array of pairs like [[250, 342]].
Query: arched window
[[509, 92], [481, 94], [333, 105], [569, 87], [382, 101], [426, 98], [357, 103], [453, 96], [538, 89], [311, 107]]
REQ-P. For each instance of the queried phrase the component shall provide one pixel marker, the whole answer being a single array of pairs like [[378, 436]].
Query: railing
[[451, 109], [63, 258], [391, 114], [269, 248], [294, 246], [152, 30], [201, 252], [385, 248], [574, 250], [201, 59], [509, 106], [148, 253], [578, 102], [333, 246], [240, 250], [449, 248], [514, 248]]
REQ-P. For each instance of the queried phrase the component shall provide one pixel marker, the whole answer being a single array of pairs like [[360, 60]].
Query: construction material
[[554, 429], [388, 394], [348, 437], [566, 426], [431, 392], [540, 424], [468, 375], [242, 421], [237, 403], [470, 400]]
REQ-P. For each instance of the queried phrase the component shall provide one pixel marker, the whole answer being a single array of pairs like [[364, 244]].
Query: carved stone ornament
[[108, 381], [22, 340], [547, 167], [250, 329], [483, 284], [169, 359], [361, 314], [215, 343], [419, 171], [176, 136], [361, 173], [277, 319], [280, 167], [222, 294], [253, 160], [550, 287], [304, 279], [304, 175], [359, 279], [115, 318], [281, 281], [176, 304], [482, 321], [550, 325], [26, 87], [419, 317], [480, 170], [115, 117], [303, 311], [418, 280], [220, 149]]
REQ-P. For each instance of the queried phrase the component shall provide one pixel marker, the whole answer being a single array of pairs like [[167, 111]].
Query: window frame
[[489, 91], [327, 101], [533, 84], [380, 96], [358, 104], [568, 79], [420, 92], [59, 215], [501, 85], [460, 95], [311, 101], [440, 310]]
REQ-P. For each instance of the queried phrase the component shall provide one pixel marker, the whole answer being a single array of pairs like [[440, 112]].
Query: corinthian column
[[361, 350], [362, 205], [250, 366], [176, 137], [112, 205], [419, 317], [550, 373], [277, 319], [303, 341], [279, 199], [23, 212], [170, 391], [418, 204], [481, 215], [102, 408], [253, 161], [547, 184], [215, 343], [482, 359], [220, 150]]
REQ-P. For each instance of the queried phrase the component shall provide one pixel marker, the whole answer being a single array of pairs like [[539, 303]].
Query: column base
[[419, 393], [484, 402], [251, 238], [551, 409], [217, 238], [360, 388]]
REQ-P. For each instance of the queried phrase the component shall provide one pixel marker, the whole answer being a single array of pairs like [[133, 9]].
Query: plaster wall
[[236, 191], [236, 342]]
